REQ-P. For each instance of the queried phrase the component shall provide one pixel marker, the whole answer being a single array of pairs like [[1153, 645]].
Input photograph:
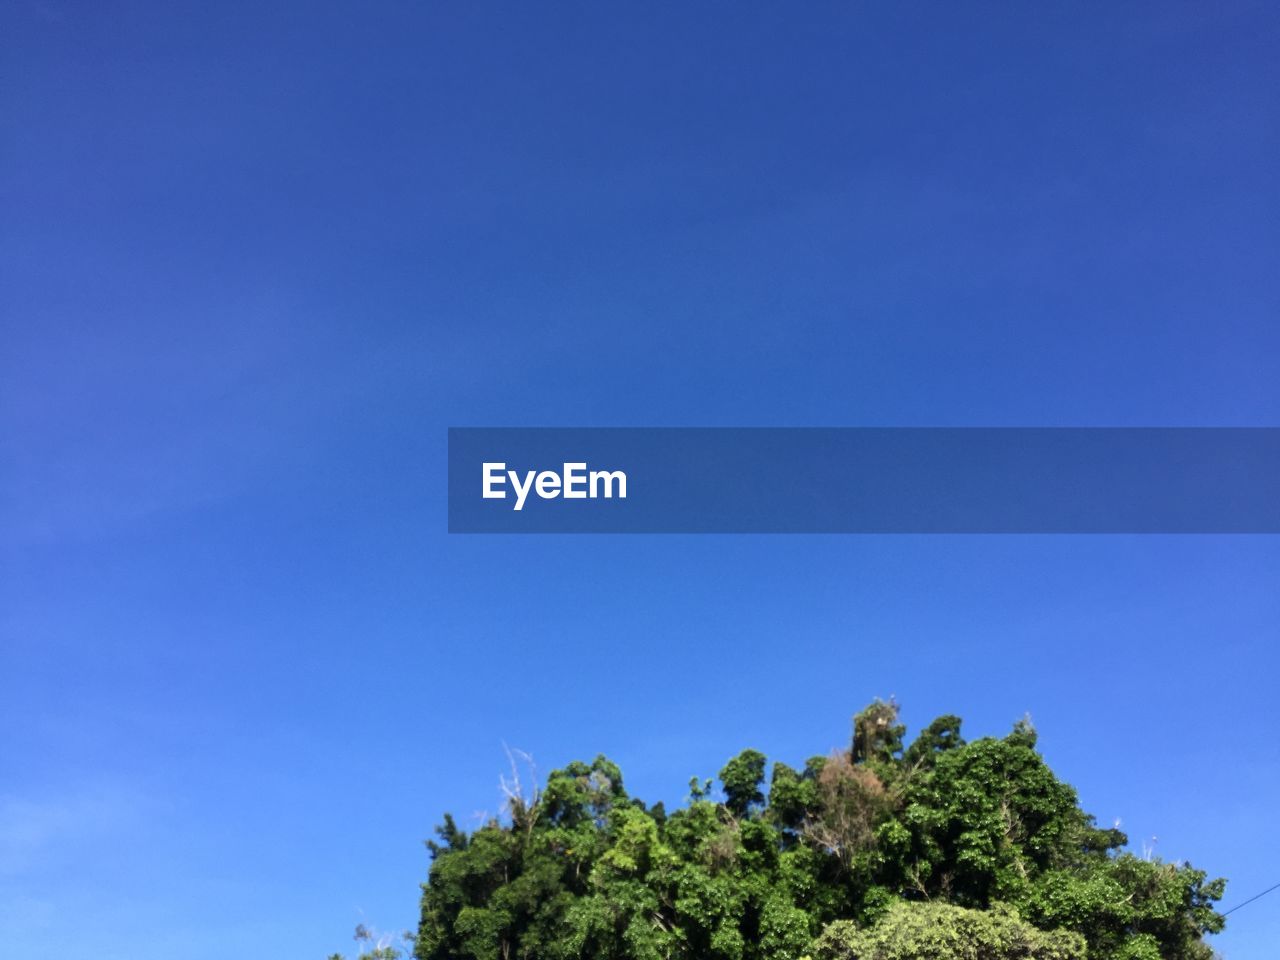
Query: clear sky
[[258, 257]]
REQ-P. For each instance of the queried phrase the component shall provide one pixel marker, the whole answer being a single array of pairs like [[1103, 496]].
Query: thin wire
[[1257, 896]]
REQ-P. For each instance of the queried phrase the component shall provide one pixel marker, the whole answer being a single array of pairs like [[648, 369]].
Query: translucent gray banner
[[864, 480]]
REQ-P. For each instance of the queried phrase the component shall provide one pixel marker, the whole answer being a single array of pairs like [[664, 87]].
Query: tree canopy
[[941, 849]]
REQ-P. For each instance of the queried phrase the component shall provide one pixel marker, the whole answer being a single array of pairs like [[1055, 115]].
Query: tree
[[944, 845], [877, 735], [941, 735], [849, 803], [742, 778]]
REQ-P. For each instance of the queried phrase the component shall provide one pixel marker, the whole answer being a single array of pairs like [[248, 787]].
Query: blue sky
[[258, 260]]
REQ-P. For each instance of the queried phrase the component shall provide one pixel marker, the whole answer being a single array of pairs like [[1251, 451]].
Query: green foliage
[[938, 849], [941, 735], [986, 819], [1133, 908], [742, 778], [940, 931]]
